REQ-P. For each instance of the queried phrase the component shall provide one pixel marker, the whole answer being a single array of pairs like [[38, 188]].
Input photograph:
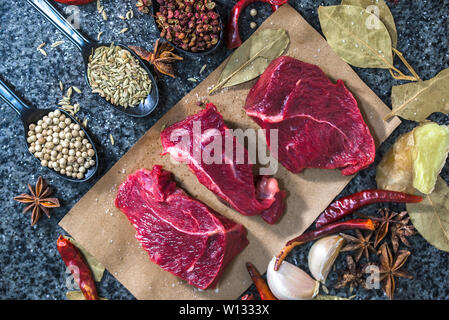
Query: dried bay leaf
[[96, 267], [417, 100], [431, 217], [348, 30], [415, 160], [431, 147], [395, 170], [382, 11], [252, 58]]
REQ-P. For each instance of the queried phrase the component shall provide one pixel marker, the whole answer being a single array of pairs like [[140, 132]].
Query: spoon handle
[[7, 95], [52, 15]]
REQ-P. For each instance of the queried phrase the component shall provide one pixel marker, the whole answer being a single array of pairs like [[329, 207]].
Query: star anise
[[162, 57], [361, 244], [38, 200], [352, 277], [390, 268], [386, 217], [401, 230]]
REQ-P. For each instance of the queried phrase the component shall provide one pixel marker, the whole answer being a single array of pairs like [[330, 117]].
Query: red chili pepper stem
[[350, 204], [366, 224], [233, 39], [261, 286], [78, 267]]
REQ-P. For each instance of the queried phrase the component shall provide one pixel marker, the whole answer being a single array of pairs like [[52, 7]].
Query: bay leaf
[[395, 170], [430, 150], [77, 295], [252, 58], [417, 100], [431, 217], [95, 266], [382, 11], [349, 31]]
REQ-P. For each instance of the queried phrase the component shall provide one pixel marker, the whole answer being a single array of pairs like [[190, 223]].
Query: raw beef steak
[[180, 234], [189, 141], [319, 123]]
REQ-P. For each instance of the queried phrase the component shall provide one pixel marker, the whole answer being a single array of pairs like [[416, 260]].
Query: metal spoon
[[87, 47], [31, 115]]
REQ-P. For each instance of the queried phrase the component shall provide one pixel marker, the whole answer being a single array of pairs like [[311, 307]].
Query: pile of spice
[[116, 75], [191, 25], [61, 145]]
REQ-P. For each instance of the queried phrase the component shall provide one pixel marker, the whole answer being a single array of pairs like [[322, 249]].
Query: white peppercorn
[[90, 152], [60, 144]]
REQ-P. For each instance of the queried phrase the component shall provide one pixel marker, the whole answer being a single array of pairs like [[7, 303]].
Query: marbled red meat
[[230, 180], [180, 234], [319, 123]]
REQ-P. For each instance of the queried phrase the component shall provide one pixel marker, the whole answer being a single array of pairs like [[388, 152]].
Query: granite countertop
[[30, 266]]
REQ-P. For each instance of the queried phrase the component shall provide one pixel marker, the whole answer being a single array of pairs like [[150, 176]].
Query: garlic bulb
[[290, 282], [322, 256]]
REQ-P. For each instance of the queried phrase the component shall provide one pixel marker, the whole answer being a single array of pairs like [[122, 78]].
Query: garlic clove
[[322, 256], [290, 282]]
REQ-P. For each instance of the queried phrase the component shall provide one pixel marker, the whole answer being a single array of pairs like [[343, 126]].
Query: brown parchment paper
[[106, 233]]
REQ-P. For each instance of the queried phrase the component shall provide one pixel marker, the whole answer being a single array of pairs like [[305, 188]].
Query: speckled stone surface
[[30, 266]]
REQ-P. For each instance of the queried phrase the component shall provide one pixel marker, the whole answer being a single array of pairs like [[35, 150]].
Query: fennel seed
[[117, 76], [42, 51], [57, 43], [77, 90]]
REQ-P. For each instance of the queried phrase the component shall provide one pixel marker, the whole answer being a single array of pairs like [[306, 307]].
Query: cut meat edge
[[268, 205], [265, 119], [226, 233]]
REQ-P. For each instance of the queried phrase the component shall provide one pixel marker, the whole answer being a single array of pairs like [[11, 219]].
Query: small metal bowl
[[155, 8]]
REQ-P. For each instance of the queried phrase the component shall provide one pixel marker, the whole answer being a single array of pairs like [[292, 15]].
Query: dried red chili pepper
[[78, 267], [248, 296], [347, 205], [261, 285], [326, 230], [232, 30]]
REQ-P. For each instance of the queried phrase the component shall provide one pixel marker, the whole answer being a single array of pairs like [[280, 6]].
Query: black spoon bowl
[[155, 8], [88, 47], [30, 115]]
